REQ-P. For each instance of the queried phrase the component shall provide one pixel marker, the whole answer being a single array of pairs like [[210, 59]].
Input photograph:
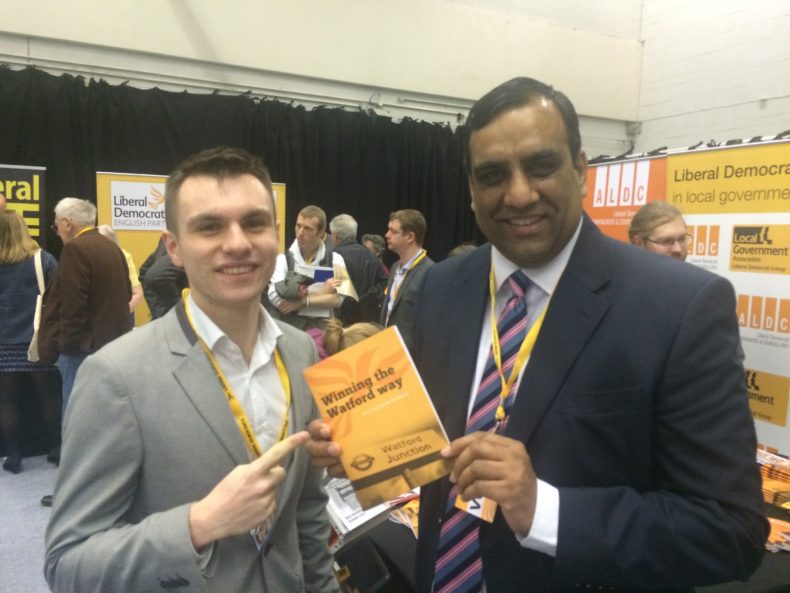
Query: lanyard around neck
[[420, 257], [523, 352], [242, 421]]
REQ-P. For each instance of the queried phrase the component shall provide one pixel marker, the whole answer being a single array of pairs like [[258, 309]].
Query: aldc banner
[[736, 203], [23, 188], [617, 190]]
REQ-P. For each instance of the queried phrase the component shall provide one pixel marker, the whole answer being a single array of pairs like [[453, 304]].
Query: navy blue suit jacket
[[633, 405]]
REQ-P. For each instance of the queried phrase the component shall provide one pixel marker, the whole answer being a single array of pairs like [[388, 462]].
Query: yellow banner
[[768, 395], [134, 205], [731, 180], [761, 249], [23, 188]]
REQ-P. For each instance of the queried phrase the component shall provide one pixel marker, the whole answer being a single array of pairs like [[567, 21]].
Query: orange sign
[[617, 190]]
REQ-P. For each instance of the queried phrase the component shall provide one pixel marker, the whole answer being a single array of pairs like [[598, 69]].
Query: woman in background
[[337, 337], [18, 292], [137, 289]]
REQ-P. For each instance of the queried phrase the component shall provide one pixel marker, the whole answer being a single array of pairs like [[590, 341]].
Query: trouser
[[68, 364]]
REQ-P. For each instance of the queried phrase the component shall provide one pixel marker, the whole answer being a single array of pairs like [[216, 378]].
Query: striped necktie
[[459, 568]]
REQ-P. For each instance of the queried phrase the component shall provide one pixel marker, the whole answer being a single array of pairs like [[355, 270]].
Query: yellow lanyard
[[244, 424], [523, 353], [409, 269], [85, 230]]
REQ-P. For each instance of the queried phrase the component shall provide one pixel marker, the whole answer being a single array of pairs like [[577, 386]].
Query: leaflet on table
[[347, 517], [376, 405], [779, 537]]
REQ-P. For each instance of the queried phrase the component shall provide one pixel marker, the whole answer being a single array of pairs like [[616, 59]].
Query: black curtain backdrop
[[345, 162]]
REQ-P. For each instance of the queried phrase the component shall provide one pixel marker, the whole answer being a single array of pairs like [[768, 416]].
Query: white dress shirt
[[543, 281], [257, 386]]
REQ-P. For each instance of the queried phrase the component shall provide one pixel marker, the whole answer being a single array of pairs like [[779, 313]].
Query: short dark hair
[[411, 221], [313, 211], [518, 92], [222, 162]]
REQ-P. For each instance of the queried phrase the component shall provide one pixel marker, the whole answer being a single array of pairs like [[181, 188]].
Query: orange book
[[374, 400]]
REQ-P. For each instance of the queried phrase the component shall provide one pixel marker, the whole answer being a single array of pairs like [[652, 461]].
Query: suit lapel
[[299, 411], [575, 311], [203, 390], [404, 283], [465, 322]]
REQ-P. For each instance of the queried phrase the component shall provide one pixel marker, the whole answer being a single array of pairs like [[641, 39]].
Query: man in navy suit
[[626, 459]]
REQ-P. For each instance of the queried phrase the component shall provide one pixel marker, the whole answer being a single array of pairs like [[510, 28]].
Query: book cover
[[381, 415]]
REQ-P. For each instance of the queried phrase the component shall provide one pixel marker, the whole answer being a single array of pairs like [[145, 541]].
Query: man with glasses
[[659, 227]]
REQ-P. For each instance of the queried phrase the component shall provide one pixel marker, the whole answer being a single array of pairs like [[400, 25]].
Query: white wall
[[433, 47], [714, 69], [710, 69]]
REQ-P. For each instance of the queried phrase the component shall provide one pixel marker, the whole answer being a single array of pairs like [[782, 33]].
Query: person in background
[[87, 304], [405, 235], [19, 290], [377, 245], [591, 391], [137, 289], [171, 475], [301, 305], [461, 249], [365, 269], [3, 201], [659, 227], [162, 281], [337, 338]]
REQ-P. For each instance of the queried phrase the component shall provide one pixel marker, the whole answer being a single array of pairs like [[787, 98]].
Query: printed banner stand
[[134, 206], [23, 188], [736, 203]]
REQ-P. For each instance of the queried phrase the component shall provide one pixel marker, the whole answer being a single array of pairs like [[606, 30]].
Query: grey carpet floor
[[22, 524]]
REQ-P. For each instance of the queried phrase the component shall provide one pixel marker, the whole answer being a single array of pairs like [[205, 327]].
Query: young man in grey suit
[[178, 471], [624, 455]]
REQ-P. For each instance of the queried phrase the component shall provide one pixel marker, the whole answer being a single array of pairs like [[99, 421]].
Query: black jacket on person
[[369, 278], [162, 281]]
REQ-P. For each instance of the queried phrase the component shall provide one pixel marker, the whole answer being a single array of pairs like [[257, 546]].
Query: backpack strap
[[327, 261]]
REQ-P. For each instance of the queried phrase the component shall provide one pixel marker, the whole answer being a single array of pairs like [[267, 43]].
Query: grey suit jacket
[[148, 432]]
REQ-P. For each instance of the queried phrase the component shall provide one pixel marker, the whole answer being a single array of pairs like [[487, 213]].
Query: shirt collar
[[544, 277], [410, 264], [211, 334], [319, 254]]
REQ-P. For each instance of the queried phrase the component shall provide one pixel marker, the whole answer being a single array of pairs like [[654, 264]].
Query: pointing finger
[[280, 450]]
